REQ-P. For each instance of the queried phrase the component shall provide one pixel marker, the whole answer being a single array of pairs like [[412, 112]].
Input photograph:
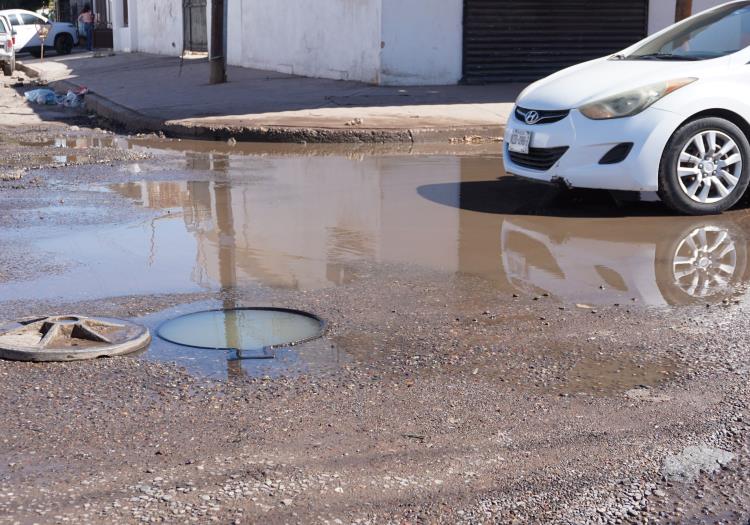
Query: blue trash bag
[[41, 96]]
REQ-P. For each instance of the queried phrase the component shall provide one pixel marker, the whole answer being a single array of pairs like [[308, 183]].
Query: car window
[[30, 20], [714, 34], [14, 20], [3, 26]]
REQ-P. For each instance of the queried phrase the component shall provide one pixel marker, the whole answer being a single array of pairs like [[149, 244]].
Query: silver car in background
[[7, 47]]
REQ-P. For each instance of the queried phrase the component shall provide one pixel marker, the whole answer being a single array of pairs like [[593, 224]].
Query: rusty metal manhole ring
[[70, 338], [252, 332]]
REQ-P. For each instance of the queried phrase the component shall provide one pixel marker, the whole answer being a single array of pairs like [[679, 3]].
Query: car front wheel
[[704, 168]]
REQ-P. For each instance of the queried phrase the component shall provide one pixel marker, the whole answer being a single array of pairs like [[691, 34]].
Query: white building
[[398, 42]]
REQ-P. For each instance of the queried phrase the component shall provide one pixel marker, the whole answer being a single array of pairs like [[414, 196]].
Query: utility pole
[[218, 55], [683, 10]]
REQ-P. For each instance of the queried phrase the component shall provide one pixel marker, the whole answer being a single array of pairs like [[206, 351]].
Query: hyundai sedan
[[670, 114]]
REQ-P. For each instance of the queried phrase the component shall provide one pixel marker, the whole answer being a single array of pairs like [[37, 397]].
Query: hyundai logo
[[532, 117]]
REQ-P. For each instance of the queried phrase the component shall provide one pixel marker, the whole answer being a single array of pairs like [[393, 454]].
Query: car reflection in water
[[591, 246], [659, 261]]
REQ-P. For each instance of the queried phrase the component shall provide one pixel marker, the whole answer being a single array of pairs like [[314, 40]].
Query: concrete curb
[[135, 122]]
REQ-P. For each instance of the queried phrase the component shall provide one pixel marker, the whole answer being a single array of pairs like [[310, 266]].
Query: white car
[[669, 114], [7, 52], [62, 36]]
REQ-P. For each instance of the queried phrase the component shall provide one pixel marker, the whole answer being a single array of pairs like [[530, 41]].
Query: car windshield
[[713, 34]]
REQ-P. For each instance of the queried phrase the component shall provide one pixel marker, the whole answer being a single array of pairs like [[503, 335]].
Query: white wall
[[120, 34], [337, 39], [158, 27], [661, 12], [421, 42]]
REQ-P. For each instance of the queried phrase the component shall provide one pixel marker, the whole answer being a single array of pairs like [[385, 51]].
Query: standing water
[[243, 329]]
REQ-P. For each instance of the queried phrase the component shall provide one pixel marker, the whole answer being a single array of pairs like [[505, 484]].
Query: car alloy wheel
[[709, 167], [704, 167]]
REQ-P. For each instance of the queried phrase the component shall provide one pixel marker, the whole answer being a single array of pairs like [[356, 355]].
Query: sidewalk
[[153, 93]]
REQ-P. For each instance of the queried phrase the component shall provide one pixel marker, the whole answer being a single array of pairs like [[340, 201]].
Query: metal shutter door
[[525, 40]]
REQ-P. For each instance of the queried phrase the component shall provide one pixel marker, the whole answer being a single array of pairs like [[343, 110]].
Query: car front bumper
[[589, 140]]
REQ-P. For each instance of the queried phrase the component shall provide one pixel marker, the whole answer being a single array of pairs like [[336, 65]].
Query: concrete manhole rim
[[137, 337], [322, 327]]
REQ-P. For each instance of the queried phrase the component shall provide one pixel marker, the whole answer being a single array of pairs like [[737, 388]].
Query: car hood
[[590, 81]]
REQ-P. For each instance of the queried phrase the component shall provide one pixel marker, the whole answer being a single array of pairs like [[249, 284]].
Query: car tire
[[63, 44], [696, 175], [7, 68]]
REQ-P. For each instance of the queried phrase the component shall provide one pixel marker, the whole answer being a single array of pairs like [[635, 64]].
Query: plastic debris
[[44, 96], [41, 96]]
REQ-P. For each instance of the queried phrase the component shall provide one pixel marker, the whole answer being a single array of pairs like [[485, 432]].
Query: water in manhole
[[252, 330]]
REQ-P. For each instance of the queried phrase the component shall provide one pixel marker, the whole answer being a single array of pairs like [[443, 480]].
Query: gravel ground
[[455, 405]]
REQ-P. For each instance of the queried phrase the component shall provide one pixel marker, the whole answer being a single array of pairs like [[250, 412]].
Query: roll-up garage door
[[525, 40]]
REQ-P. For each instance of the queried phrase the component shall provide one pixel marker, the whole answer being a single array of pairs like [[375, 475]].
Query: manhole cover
[[243, 329], [70, 338]]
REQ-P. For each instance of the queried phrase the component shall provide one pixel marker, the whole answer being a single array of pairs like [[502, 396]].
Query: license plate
[[519, 141]]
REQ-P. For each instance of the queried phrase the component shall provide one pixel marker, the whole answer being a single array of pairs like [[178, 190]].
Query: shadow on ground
[[515, 196]]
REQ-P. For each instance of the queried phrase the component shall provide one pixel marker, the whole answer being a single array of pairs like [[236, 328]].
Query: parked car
[[7, 52], [62, 36], [668, 114]]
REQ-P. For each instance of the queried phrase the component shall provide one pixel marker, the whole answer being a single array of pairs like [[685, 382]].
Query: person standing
[[87, 18]]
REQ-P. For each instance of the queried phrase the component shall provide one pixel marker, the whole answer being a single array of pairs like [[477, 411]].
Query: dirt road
[[458, 381]]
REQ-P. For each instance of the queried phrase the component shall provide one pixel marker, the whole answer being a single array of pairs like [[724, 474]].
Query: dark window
[[124, 13]]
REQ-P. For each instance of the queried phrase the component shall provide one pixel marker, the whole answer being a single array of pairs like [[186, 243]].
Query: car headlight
[[632, 102]]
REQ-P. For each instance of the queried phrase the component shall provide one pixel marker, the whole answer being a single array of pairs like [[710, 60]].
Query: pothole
[[251, 332]]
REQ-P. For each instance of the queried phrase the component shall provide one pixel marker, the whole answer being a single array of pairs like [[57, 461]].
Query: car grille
[[540, 159], [545, 117]]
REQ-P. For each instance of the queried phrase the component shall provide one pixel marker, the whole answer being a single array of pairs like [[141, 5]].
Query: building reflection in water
[[307, 222]]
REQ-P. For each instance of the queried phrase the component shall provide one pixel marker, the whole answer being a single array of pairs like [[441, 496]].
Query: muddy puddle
[[207, 217], [305, 222], [76, 149]]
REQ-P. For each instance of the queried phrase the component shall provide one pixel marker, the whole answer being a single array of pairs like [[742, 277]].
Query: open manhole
[[252, 332], [70, 338]]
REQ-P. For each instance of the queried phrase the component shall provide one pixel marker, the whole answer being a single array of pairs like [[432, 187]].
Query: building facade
[[398, 42]]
